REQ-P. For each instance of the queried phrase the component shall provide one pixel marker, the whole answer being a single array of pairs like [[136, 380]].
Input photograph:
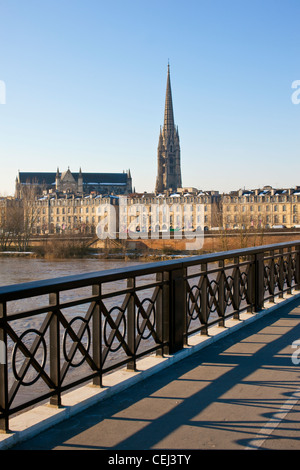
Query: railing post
[[177, 310], [131, 365], [97, 329], [281, 273], [236, 289], [185, 326], [297, 268], [289, 273], [55, 350], [251, 284], [4, 425], [203, 303], [221, 294], [162, 313], [259, 282], [272, 279]]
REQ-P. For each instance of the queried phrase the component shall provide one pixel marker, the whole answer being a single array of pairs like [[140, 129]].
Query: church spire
[[169, 115], [168, 150]]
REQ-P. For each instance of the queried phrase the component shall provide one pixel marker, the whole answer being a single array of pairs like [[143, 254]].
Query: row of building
[[185, 209]]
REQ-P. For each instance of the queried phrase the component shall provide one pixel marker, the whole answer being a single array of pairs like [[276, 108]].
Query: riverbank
[[95, 255], [64, 248]]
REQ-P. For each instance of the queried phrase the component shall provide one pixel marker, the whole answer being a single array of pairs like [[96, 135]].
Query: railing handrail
[[30, 289]]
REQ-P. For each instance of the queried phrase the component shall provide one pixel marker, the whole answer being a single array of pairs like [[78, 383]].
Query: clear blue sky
[[85, 86]]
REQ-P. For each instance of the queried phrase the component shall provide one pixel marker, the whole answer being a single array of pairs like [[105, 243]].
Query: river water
[[15, 270]]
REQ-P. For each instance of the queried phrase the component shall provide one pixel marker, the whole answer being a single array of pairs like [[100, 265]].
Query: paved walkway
[[241, 392]]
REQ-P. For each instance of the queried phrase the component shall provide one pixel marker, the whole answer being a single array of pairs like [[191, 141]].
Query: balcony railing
[[57, 334]]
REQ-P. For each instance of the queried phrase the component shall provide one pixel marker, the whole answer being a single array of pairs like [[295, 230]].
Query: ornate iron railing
[[57, 334]]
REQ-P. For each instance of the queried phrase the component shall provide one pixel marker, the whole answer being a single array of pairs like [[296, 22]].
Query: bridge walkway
[[240, 392]]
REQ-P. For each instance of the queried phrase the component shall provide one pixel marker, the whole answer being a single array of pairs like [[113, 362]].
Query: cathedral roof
[[48, 178]]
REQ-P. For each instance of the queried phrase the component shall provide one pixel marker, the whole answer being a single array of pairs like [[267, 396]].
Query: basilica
[[67, 182]]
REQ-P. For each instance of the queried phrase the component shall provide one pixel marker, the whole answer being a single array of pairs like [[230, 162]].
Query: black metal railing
[[57, 334]]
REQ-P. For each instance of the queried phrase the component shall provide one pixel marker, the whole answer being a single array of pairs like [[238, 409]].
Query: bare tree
[[18, 221], [5, 226], [24, 218]]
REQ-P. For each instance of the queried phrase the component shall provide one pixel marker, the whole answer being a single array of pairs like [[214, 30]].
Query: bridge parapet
[[57, 334]]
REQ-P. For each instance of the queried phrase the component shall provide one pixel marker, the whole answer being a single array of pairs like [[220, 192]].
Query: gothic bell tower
[[168, 150]]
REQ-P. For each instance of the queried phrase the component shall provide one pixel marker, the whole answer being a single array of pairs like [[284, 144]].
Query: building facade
[[187, 209], [261, 208], [139, 213]]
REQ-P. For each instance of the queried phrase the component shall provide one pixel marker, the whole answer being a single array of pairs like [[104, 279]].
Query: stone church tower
[[168, 151]]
